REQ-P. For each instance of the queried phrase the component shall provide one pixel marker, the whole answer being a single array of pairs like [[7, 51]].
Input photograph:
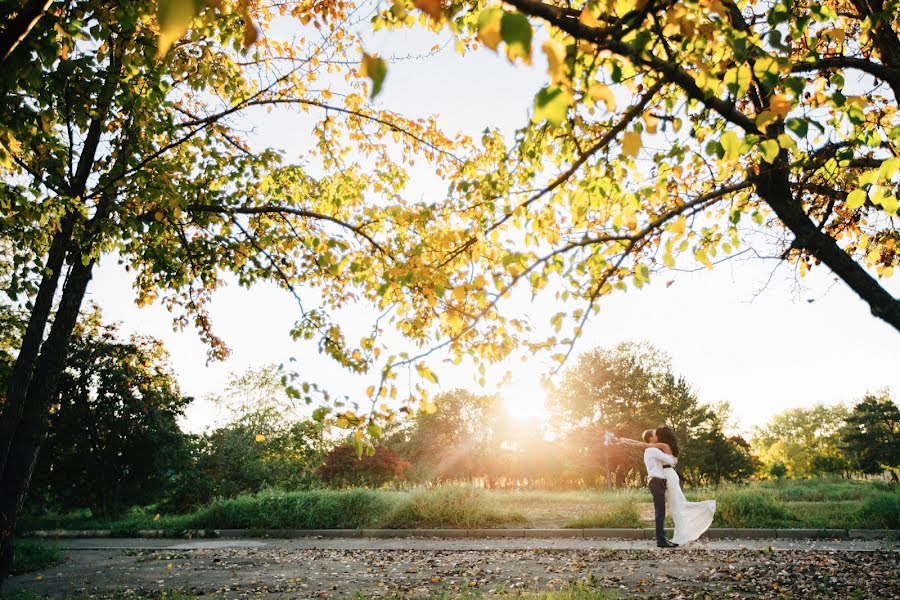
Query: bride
[[691, 518]]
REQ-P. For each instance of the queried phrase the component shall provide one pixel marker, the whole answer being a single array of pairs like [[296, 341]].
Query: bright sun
[[524, 398]]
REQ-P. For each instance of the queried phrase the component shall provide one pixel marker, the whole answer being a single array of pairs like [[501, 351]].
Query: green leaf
[[174, 18], [375, 69], [769, 150], [551, 103], [766, 70], [856, 198], [516, 32]]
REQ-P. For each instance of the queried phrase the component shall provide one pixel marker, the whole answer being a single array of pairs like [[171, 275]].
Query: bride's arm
[[636, 444]]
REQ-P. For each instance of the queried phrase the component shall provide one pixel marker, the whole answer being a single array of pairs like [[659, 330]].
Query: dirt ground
[[341, 568]]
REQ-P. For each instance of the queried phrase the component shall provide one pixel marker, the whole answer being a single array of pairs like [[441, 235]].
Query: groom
[[656, 460]]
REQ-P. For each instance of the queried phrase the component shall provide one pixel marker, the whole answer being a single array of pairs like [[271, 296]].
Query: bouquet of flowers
[[609, 438]]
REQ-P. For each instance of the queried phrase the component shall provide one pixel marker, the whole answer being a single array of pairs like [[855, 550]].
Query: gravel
[[285, 571]]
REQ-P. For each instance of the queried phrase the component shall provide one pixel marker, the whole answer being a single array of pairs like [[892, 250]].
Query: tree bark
[[18, 28], [32, 429]]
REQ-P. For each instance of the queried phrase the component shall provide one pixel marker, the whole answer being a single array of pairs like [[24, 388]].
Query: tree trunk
[[33, 426], [23, 369], [772, 186]]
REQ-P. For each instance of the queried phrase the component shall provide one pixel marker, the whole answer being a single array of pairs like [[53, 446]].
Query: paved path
[[468, 544], [330, 568]]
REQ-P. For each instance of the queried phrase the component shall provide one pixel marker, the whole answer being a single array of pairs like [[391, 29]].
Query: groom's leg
[[658, 491]]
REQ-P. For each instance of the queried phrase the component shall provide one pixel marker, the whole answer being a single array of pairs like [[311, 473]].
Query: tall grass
[[752, 509], [623, 514], [317, 509], [880, 511], [809, 504], [450, 506]]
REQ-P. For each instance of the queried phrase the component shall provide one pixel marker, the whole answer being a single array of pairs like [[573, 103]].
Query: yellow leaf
[[556, 60], [731, 144], [601, 91], [174, 18], [459, 293], [786, 142], [780, 105], [432, 8], [856, 198], [631, 143], [678, 225], [769, 150], [764, 118], [489, 27], [260, 437], [650, 122], [588, 17]]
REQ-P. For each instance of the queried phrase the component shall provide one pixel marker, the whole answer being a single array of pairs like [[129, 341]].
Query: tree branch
[[17, 29], [255, 210]]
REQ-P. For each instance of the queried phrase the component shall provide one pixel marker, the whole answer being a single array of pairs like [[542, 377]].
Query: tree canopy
[[673, 133]]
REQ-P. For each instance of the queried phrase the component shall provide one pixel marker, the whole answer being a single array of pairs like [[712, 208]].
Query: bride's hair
[[666, 436]]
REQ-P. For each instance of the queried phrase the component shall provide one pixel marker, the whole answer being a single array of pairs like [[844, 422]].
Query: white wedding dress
[[691, 518]]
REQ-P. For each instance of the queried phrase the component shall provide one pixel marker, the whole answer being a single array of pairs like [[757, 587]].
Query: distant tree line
[[863, 440], [114, 440]]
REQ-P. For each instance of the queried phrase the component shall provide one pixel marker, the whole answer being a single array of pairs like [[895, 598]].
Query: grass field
[[806, 504]]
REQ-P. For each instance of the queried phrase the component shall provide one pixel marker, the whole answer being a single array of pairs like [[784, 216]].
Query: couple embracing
[[691, 519]]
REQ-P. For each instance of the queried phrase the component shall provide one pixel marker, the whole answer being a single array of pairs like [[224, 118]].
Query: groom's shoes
[[667, 544]]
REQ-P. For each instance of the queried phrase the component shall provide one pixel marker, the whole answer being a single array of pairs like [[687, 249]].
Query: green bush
[[32, 555], [753, 509], [314, 509], [880, 511], [449, 506]]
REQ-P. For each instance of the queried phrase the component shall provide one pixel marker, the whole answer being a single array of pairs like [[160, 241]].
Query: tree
[[716, 457], [110, 142], [113, 438], [455, 442], [872, 435], [268, 442], [631, 388], [344, 466], [802, 438]]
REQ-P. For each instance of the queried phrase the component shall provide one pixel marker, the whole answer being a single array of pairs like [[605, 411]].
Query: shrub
[[751, 509], [32, 555]]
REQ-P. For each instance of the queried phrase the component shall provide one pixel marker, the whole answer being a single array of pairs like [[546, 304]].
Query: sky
[[763, 343]]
